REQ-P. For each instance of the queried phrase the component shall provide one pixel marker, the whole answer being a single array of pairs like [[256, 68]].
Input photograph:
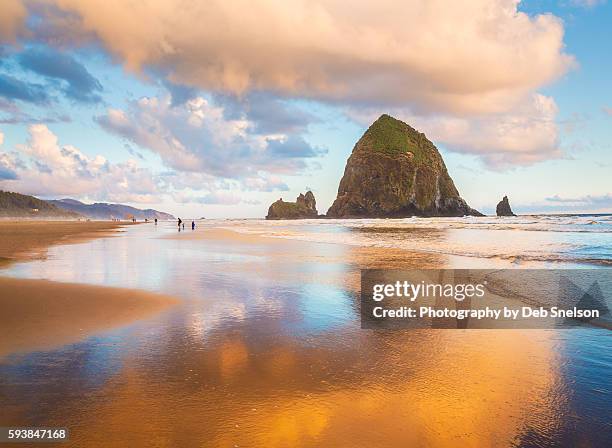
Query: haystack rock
[[503, 208], [305, 206], [394, 171]]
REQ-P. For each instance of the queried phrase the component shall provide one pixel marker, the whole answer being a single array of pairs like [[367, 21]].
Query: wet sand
[[39, 314], [266, 350], [289, 251], [26, 240]]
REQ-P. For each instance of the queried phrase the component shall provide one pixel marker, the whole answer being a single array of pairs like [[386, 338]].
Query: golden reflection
[[436, 388], [233, 358]]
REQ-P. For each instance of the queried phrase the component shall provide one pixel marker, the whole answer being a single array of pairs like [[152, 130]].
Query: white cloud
[[43, 167], [604, 200], [466, 73], [522, 136], [197, 137], [462, 57], [12, 16], [587, 3]]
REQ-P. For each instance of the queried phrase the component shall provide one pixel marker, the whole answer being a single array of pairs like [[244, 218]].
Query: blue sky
[[159, 108]]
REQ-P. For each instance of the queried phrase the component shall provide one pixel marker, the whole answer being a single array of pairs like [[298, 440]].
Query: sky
[[217, 109]]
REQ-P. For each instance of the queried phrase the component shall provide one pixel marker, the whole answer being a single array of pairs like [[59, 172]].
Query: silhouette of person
[[180, 221], [192, 225], [155, 221]]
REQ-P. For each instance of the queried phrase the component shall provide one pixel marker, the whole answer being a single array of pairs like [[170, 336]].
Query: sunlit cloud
[[44, 167], [377, 53], [197, 137], [231, 75]]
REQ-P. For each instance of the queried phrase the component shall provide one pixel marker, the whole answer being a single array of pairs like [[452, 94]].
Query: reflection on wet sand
[[427, 389], [266, 350]]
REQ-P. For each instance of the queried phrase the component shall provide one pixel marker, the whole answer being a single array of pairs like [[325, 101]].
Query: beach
[[41, 314], [264, 348], [29, 239]]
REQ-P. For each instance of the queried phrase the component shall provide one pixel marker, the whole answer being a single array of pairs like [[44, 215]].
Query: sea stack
[[503, 208], [394, 171], [304, 207]]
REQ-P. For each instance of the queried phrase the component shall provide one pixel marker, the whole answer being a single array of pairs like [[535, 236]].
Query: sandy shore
[[40, 314], [354, 257], [24, 240]]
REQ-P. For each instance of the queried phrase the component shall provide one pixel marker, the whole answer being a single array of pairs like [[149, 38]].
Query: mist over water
[[266, 349]]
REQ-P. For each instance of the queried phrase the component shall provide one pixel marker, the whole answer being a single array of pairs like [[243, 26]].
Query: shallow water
[[525, 241], [265, 349]]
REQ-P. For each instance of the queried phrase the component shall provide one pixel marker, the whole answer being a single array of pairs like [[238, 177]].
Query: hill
[[16, 205], [103, 210]]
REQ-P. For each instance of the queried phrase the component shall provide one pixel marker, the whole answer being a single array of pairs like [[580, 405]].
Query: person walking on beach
[[192, 225], [179, 224], [155, 221]]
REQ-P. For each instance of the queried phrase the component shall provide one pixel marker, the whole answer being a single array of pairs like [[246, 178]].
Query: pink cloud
[[460, 57]]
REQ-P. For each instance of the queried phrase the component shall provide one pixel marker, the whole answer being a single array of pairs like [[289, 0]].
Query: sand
[[289, 250], [25, 240], [41, 314]]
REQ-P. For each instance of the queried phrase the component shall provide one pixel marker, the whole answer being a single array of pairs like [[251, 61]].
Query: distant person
[[183, 226], [180, 221], [192, 225], [155, 221]]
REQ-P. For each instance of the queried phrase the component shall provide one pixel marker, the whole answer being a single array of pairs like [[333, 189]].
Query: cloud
[[12, 17], [7, 164], [592, 201], [216, 197], [42, 167], [12, 113], [180, 94], [265, 183], [607, 110], [268, 113], [78, 83], [197, 137], [587, 3], [580, 204], [6, 172], [384, 53], [15, 89], [467, 73], [524, 135], [224, 198]]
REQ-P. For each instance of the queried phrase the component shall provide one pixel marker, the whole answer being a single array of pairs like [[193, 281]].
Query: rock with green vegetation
[[15, 205], [503, 208], [304, 207], [394, 171]]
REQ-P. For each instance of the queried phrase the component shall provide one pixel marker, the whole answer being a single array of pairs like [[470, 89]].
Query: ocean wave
[[425, 240]]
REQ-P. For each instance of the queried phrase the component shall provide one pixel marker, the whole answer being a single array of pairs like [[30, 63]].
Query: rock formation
[[395, 171], [503, 208], [305, 206]]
